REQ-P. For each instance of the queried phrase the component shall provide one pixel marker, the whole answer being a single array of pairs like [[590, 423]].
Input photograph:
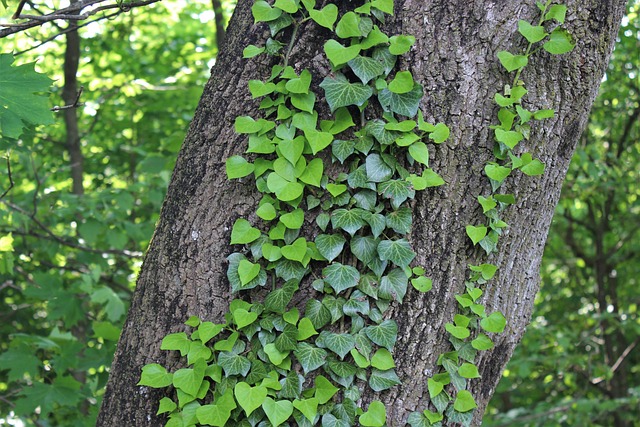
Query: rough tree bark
[[455, 59]]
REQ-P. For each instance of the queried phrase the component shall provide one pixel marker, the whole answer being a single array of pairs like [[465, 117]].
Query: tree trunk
[[184, 272]]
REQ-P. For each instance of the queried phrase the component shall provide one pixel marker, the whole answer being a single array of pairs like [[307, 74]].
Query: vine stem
[[296, 25]]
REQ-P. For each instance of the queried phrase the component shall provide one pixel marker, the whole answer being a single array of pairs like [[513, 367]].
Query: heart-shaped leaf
[[295, 251], [277, 411], [247, 271], [339, 54], [339, 92], [249, 398], [243, 317], [330, 245], [325, 17], [375, 416], [512, 62]]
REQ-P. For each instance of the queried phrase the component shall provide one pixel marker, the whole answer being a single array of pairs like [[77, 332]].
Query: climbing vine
[[270, 362]]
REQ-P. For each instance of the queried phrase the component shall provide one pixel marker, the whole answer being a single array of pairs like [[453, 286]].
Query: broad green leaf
[[263, 12], [532, 33], [468, 370], [348, 26], [375, 416], [419, 152], [295, 251], [339, 54], [377, 169], [312, 174], [559, 42], [189, 379], [291, 149], [512, 62], [476, 233], [294, 219], [401, 44], [508, 138], [238, 167], [318, 140], [234, 364], [308, 407], [382, 359], [464, 401], [242, 317], [405, 104], [460, 332], [278, 299], [482, 342], [435, 387], [19, 105], [557, 12], [324, 389], [310, 357], [277, 411], [422, 284], [251, 51], [428, 179], [402, 82], [397, 251], [243, 233], [300, 84], [342, 149], [249, 398], [366, 68], [350, 220], [400, 220], [166, 405], [384, 334], [156, 376], [208, 330], [325, 17], [247, 271], [217, 414], [535, 167], [339, 92], [383, 380], [258, 88], [385, 6], [317, 313], [496, 172], [284, 190], [341, 277], [365, 248], [304, 101], [275, 356], [305, 329], [340, 344], [495, 322], [330, 245], [266, 211], [336, 189], [289, 6], [178, 341], [393, 285]]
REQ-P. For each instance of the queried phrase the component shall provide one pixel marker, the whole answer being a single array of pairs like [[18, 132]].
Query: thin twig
[[10, 178]]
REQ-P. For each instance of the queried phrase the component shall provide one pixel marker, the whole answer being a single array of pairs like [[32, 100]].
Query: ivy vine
[[269, 363]]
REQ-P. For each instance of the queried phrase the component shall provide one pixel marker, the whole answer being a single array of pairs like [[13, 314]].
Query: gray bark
[[455, 59]]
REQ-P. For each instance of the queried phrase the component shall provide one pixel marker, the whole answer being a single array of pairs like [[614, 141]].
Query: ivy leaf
[[375, 416], [509, 138], [428, 179], [376, 222], [495, 322], [341, 277], [559, 42], [218, 413], [468, 370], [400, 220], [277, 411], [393, 285], [325, 17], [464, 401], [377, 169], [300, 84], [383, 380], [512, 62], [397, 251], [324, 389], [318, 141], [533, 168], [340, 344], [348, 26], [312, 174], [251, 51], [482, 342], [350, 220], [557, 12], [189, 379], [234, 277], [249, 398], [317, 313], [419, 152], [476, 233], [339, 54], [242, 317], [291, 149], [234, 364], [277, 300], [422, 284], [383, 360], [308, 407], [247, 271], [532, 33], [402, 82], [156, 376], [365, 248], [384, 334], [342, 149], [397, 190], [366, 68], [330, 245], [242, 232], [339, 92], [263, 12], [178, 341], [310, 357], [238, 167], [405, 104], [19, 105], [496, 172], [401, 44]]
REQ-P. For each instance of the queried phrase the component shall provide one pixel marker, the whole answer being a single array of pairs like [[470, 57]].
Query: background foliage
[[68, 262]]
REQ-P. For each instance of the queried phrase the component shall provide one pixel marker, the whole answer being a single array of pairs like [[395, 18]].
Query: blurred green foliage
[[579, 361], [66, 284], [68, 263]]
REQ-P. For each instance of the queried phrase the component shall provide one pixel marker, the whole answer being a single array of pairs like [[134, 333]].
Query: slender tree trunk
[[455, 60], [219, 21]]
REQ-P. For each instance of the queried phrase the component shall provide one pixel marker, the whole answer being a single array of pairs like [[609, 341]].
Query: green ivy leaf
[[495, 322], [310, 357], [419, 152], [277, 411], [250, 398], [397, 251], [532, 33], [383, 360], [341, 277], [312, 174], [234, 364], [512, 62], [402, 82], [178, 341], [251, 51], [339, 54], [350, 220], [238, 167], [324, 389], [422, 284], [266, 211], [340, 344], [300, 84], [375, 416], [189, 379], [384, 334], [342, 149], [278, 299], [263, 12], [259, 88], [156, 376], [243, 233], [247, 271], [460, 332], [348, 26], [218, 413], [317, 313], [383, 380], [294, 219], [401, 44], [308, 407], [533, 168], [377, 169], [482, 342], [557, 12], [166, 405], [366, 68], [242, 317], [339, 92], [365, 248], [336, 189], [325, 17], [405, 104], [464, 401], [284, 190], [295, 251], [330, 245], [559, 42], [476, 233], [435, 387], [393, 285], [428, 179], [496, 172], [291, 149], [508, 138], [468, 370]]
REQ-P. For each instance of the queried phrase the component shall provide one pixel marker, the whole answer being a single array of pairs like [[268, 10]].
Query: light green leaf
[[535, 167], [312, 174], [508, 138], [401, 44], [250, 398], [495, 322], [397, 251], [383, 360], [300, 84], [218, 413], [295, 251], [247, 271], [258, 88], [512, 62], [557, 12], [266, 211], [440, 133], [156, 376], [338, 54], [305, 329], [318, 140], [419, 152], [476, 233], [422, 284], [482, 342], [468, 370], [242, 317], [308, 407], [304, 101], [496, 172], [284, 190], [243, 233], [325, 17], [189, 379], [291, 149], [402, 82], [532, 33], [435, 387], [348, 26], [277, 411], [263, 12], [336, 189], [339, 92], [385, 6], [460, 332], [166, 405], [289, 6], [464, 401], [375, 416], [341, 277], [178, 341], [251, 51], [559, 42], [428, 179], [324, 389], [294, 219]]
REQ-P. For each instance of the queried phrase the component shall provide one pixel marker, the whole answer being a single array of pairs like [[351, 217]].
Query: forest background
[[78, 209]]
